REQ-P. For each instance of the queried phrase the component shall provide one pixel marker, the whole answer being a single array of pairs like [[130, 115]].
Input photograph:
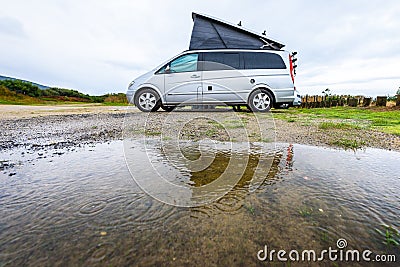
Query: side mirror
[[167, 69]]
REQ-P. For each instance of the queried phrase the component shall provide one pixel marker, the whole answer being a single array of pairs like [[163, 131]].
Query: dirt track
[[29, 111], [66, 125]]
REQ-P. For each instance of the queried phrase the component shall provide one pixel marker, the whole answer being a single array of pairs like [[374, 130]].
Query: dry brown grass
[[10, 97]]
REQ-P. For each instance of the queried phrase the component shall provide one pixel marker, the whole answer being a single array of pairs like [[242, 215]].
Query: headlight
[[132, 83]]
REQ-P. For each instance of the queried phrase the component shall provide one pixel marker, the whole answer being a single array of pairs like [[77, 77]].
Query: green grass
[[324, 236], [390, 235], [215, 124], [383, 120], [337, 125], [114, 104], [348, 143], [233, 124], [17, 102], [211, 132], [250, 209], [306, 212], [37, 102], [265, 140], [152, 133]]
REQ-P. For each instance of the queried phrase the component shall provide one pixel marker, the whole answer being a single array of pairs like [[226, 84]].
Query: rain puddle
[[83, 206]]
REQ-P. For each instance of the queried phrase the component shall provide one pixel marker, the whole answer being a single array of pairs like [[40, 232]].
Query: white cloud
[[99, 46]]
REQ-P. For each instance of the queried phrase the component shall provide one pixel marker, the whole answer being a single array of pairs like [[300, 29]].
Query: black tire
[[168, 108], [260, 100], [147, 100], [285, 106]]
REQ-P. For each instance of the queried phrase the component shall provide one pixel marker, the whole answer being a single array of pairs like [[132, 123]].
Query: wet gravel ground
[[60, 131], [65, 130], [28, 139]]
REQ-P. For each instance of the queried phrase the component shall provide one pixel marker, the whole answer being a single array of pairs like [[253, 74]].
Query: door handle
[[195, 76]]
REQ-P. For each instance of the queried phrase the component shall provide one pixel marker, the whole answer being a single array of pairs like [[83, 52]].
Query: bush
[[116, 98], [22, 87], [56, 94]]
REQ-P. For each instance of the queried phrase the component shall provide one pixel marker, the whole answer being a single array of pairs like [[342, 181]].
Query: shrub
[[22, 87]]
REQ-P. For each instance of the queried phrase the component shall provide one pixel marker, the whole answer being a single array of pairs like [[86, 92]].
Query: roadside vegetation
[[24, 93], [345, 127], [382, 119]]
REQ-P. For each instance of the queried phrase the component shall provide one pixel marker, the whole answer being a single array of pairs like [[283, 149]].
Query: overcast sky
[[96, 47]]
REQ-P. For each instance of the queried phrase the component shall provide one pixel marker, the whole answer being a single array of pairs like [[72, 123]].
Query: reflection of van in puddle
[[259, 79]]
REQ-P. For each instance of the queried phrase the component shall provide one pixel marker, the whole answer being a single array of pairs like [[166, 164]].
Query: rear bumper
[[285, 100], [284, 95], [297, 103], [297, 100]]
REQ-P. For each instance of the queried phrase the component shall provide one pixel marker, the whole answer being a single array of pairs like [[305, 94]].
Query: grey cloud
[[12, 26]]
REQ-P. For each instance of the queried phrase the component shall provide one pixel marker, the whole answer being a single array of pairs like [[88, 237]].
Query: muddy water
[[82, 207]]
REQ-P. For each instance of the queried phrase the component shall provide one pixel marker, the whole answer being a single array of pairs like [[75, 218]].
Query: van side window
[[185, 63], [220, 61], [263, 61]]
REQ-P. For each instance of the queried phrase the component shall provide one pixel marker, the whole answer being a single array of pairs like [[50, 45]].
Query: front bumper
[[129, 96]]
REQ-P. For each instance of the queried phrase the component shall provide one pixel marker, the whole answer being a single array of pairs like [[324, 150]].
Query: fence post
[[367, 101], [341, 101], [398, 101], [352, 102]]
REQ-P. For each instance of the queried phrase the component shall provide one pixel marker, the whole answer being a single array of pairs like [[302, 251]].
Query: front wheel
[[147, 100], [260, 101]]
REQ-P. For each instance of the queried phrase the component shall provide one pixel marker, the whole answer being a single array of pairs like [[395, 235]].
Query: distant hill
[[16, 91], [9, 97], [41, 86]]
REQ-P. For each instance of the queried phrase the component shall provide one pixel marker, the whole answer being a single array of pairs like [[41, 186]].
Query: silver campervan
[[257, 78], [225, 64]]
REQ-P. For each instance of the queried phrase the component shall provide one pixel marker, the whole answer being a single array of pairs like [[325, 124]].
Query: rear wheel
[[147, 100], [260, 100]]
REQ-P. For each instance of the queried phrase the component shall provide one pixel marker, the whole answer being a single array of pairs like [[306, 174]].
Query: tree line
[[29, 89]]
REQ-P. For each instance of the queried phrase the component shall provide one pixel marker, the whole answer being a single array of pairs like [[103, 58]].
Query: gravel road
[[72, 125]]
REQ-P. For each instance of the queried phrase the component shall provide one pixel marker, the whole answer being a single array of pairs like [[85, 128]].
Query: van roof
[[212, 33], [233, 50]]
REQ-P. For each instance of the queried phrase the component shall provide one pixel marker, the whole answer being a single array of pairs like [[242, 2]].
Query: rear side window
[[263, 61], [221, 61]]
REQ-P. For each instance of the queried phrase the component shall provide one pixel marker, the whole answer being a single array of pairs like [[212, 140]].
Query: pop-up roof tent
[[211, 33]]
